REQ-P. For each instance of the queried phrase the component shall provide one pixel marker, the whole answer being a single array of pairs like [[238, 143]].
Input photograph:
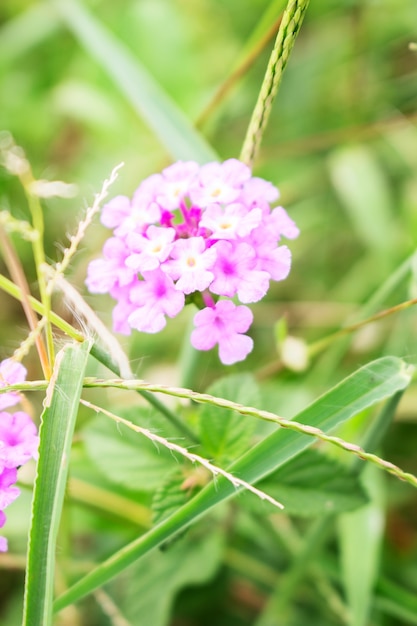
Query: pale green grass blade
[[26, 30], [150, 101], [360, 535], [56, 430], [362, 188], [369, 385], [394, 600]]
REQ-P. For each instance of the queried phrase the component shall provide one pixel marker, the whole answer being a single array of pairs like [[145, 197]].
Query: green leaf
[[308, 485], [367, 386], [176, 490], [148, 99], [361, 535], [56, 431], [155, 580], [27, 30], [226, 434], [124, 456], [394, 600], [362, 188]]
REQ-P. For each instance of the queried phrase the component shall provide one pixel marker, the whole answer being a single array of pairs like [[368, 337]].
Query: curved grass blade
[[27, 30], [150, 101], [56, 430], [367, 386]]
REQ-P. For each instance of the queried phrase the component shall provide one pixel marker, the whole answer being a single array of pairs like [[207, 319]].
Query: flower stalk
[[287, 34]]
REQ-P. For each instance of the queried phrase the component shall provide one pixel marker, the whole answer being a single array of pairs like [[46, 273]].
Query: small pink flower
[[232, 222], [3, 540], [190, 229], [143, 211], [8, 493], [115, 211], [224, 324], [11, 372], [191, 264], [219, 182], [154, 297], [258, 192], [18, 439], [122, 310], [281, 224], [235, 273], [104, 274], [176, 180], [276, 260], [148, 252]]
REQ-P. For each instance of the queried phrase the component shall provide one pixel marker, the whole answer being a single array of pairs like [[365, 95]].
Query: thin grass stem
[[287, 34]]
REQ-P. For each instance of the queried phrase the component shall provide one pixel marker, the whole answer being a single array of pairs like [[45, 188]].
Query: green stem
[[287, 33], [306, 429], [104, 358], [40, 262], [321, 344], [17, 273], [15, 291]]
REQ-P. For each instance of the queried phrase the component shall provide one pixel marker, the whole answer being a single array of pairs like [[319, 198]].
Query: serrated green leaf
[[169, 497], [124, 456], [155, 580], [370, 384], [178, 488], [309, 485], [226, 434], [56, 431]]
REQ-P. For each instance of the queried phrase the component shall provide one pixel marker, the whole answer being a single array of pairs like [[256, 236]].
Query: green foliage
[[311, 484], [56, 432], [226, 434], [86, 85], [361, 538], [155, 580], [364, 388], [123, 456]]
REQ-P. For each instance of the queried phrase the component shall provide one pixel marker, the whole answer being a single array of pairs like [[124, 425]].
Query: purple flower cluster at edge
[[203, 234], [18, 438]]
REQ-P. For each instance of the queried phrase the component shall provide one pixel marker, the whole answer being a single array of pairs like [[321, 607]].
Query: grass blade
[[369, 385], [57, 427], [27, 30], [360, 536], [150, 101]]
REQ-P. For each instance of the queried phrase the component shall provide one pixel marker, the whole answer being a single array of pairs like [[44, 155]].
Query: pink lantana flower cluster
[[18, 438], [203, 234]]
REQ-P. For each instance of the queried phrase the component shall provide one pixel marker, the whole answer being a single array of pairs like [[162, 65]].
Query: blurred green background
[[341, 146]]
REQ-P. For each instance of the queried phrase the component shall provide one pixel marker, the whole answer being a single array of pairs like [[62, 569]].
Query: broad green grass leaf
[[310, 484], [156, 579], [361, 186], [368, 385], [226, 434], [360, 536], [123, 456], [146, 96], [56, 431]]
